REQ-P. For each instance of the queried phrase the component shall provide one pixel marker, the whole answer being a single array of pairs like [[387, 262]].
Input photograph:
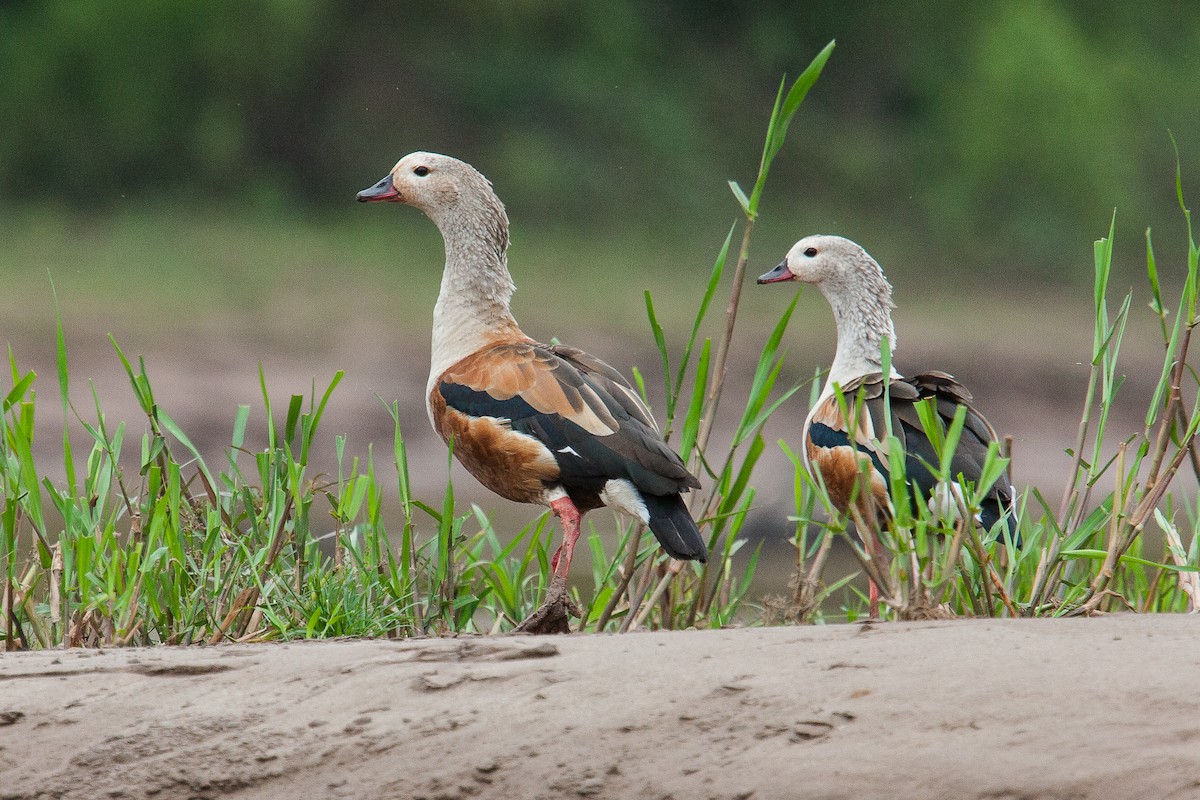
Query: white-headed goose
[[861, 298], [534, 423]]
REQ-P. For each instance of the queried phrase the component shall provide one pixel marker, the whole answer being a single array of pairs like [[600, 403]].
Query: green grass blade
[[60, 349], [781, 118]]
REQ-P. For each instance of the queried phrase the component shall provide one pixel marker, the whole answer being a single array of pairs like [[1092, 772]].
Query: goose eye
[[810, 252], [421, 171]]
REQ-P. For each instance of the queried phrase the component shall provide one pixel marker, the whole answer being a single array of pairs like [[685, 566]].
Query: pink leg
[[554, 613], [566, 511], [875, 548]]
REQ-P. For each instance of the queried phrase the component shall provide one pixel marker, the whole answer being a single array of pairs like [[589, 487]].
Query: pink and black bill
[[384, 190], [780, 273]]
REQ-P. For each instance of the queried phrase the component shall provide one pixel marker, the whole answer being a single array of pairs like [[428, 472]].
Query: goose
[[534, 423], [861, 298]]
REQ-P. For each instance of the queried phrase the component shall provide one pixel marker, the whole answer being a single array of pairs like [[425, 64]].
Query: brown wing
[[971, 453], [535, 375], [831, 440], [577, 407], [613, 383]]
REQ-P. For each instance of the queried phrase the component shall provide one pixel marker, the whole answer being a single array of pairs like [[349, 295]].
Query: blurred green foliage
[[1005, 132]]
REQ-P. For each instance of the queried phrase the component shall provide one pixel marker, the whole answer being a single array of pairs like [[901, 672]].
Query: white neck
[[863, 312], [473, 306]]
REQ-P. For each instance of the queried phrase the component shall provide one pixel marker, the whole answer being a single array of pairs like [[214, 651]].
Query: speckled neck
[[862, 307]]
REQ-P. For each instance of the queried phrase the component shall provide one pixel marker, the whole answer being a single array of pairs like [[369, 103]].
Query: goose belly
[[513, 465], [850, 478]]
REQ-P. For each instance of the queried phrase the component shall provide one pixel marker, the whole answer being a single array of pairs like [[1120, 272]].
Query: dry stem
[[1189, 582]]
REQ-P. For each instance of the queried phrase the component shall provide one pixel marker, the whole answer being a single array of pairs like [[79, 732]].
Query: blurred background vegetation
[[1004, 132], [186, 172]]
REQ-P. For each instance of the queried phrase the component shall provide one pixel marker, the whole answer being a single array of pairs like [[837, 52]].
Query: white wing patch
[[621, 495], [570, 451]]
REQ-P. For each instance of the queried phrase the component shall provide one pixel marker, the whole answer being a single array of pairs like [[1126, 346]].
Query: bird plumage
[[845, 434], [833, 450], [524, 415], [534, 423]]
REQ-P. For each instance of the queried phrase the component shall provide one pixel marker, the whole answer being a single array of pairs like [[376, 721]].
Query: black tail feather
[[674, 527], [992, 512]]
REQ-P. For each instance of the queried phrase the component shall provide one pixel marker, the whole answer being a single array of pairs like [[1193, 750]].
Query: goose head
[[856, 289], [824, 261], [445, 189]]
